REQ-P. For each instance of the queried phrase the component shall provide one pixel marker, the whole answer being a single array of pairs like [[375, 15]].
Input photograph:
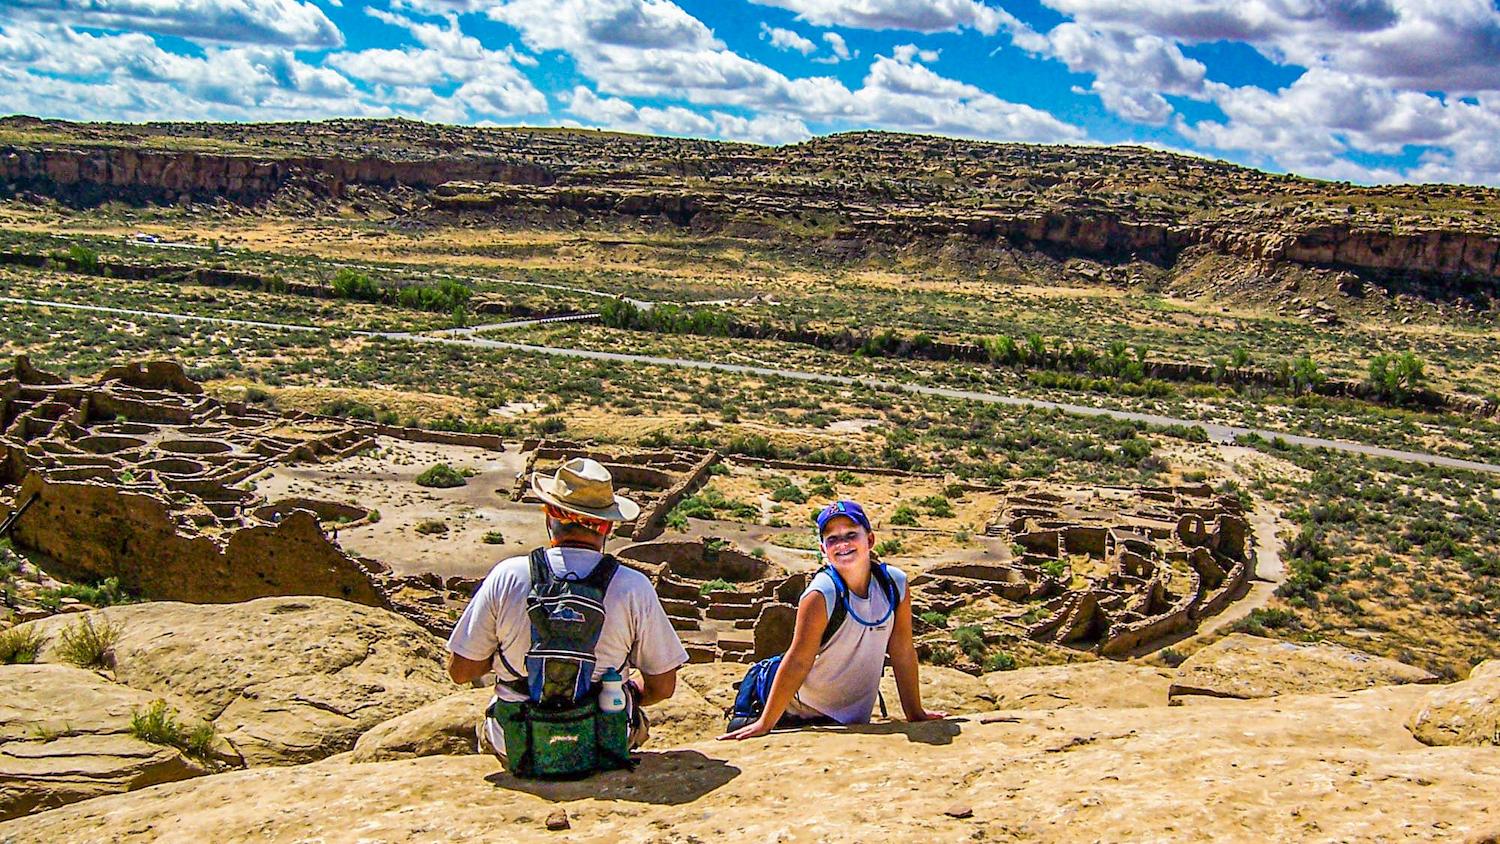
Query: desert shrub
[[158, 724], [21, 645], [348, 409], [87, 644], [87, 259], [934, 619], [941, 655], [441, 476], [886, 547], [790, 492], [105, 593], [718, 584], [970, 640], [999, 661], [493, 537], [430, 527], [904, 515], [936, 505]]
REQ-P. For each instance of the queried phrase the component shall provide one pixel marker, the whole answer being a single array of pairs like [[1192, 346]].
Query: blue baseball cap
[[847, 509]]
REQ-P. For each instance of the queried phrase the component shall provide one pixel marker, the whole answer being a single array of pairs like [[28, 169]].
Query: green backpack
[[559, 732]]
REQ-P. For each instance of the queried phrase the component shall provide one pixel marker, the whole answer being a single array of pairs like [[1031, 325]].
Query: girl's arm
[[807, 636], [903, 656]]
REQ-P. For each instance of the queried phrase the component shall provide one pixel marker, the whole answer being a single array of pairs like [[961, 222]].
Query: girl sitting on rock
[[855, 613]]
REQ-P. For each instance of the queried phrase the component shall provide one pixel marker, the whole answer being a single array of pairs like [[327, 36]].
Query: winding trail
[[1217, 433]]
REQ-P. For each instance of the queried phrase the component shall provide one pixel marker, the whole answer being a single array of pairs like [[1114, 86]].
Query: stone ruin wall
[[150, 499]]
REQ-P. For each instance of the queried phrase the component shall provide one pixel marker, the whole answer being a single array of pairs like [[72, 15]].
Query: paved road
[[1218, 433]]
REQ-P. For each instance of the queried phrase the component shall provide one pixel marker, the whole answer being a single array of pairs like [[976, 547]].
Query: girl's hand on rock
[[751, 730]]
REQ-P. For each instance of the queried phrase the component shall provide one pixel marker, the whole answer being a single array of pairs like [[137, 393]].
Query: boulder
[[1242, 666], [1466, 712], [65, 737], [1103, 683], [285, 680], [444, 727]]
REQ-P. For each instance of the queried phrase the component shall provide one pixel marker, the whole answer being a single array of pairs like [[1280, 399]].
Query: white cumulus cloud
[[281, 23]]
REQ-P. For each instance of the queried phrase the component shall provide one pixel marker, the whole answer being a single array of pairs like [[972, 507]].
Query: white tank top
[[845, 677]]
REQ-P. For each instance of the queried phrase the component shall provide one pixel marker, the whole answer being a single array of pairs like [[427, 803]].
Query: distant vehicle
[[142, 237]]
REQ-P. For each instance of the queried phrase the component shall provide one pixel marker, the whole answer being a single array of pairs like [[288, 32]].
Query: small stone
[[558, 821], [959, 810]]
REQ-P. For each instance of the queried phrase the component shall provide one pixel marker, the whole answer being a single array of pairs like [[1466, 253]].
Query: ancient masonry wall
[[133, 477]]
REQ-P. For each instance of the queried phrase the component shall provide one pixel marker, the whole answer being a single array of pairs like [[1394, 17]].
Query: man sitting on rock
[[855, 613], [535, 637]]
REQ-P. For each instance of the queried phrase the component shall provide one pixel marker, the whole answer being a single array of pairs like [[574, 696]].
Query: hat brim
[[621, 510]]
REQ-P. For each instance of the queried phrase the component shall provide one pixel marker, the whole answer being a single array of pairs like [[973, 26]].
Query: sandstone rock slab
[[64, 737], [1102, 683], [943, 689], [1242, 666], [444, 727], [285, 680], [1336, 767], [1464, 713]]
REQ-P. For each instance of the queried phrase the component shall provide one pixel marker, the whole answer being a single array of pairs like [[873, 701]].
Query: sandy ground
[[386, 481]]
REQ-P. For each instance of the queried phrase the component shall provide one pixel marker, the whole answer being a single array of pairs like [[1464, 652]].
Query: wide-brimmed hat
[[584, 486]]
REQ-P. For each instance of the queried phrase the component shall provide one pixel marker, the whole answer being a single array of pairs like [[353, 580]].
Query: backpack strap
[[840, 605], [541, 570], [603, 574]]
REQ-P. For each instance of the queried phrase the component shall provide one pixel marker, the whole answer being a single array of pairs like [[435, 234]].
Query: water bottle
[[611, 692]]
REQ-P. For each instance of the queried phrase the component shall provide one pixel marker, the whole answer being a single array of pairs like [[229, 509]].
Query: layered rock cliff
[[1109, 203]]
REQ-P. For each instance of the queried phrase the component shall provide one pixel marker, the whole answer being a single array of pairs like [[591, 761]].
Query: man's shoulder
[[632, 580]]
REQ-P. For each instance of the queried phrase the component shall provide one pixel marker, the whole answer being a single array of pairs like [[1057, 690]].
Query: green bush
[[936, 505], [941, 655], [999, 661], [158, 724], [888, 547], [904, 516], [21, 646], [791, 492], [970, 640], [493, 537], [934, 619], [718, 584], [87, 644], [441, 476], [430, 527]]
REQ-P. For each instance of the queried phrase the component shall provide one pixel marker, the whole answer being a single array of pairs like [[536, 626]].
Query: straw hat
[[584, 486]]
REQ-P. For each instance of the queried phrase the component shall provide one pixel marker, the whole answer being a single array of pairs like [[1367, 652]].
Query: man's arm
[[807, 636], [903, 654], [656, 688], [464, 670]]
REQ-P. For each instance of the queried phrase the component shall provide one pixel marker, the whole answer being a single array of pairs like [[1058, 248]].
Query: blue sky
[[1365, 90]]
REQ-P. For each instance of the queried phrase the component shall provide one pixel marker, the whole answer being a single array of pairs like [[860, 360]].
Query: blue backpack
[[755, 689]]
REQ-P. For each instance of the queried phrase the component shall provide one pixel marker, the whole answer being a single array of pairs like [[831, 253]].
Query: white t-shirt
[[636, 632], [845, 677]]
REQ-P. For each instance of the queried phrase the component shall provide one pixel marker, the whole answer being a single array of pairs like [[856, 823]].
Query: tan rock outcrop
[[1242, 666], [1103, 684], [64, 737], [444, 727], [1322, 768], [285, 680], [1466, 712]]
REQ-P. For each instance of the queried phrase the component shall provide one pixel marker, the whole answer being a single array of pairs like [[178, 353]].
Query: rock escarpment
[[848, 192], [284, 680]]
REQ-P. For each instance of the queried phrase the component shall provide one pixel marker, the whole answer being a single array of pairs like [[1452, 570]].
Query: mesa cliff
[[851, 193]]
